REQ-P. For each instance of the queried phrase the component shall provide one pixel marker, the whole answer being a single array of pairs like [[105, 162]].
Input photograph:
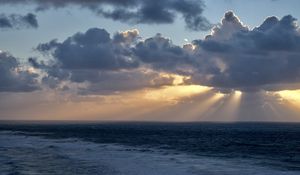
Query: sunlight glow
[[232, 106], [31, 70], [238, 94], [174, 93], [292, 96], [177, 79]]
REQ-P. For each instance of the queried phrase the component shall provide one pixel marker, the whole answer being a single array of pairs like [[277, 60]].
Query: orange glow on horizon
[[169, 103]]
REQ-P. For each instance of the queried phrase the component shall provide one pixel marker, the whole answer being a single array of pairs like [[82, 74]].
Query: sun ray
[[228, 109], [150, 104], [174, 101], [195, 110]]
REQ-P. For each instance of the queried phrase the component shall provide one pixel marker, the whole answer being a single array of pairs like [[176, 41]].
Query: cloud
[[109, 82], [94, 49], [135, 11], [253, 59], [233, 56], [161, 54], [13, 78], [18, 21], [105, 64]]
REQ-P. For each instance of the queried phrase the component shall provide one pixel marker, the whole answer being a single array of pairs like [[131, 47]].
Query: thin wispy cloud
[[16, 21], [134, 11]]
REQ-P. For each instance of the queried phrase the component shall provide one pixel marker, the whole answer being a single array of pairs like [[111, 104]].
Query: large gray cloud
[[94, 49], [233, 56], [107, 64], [259, 58], [135, 11], [18, 21], [13, 78], [161, 54]]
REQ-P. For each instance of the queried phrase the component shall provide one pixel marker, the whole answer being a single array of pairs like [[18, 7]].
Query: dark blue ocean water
[[272, 145]]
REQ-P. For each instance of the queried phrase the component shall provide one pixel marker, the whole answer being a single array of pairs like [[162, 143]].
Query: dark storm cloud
[[13, 78], [232, 57], [18, 21], [161, 53], [265, 56], [93, 49], [107, 64], [96, 50], [135, 11]]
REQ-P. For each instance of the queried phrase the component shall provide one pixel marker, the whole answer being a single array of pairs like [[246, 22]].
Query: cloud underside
[[134, 11], [233, 56]]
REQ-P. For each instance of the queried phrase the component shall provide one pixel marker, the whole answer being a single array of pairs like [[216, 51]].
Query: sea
[[149, 148]]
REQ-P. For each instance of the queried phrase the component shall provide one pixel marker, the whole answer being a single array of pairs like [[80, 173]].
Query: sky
[[150, 60]]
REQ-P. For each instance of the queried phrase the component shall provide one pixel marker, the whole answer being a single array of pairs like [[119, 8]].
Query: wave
[[23, 154]]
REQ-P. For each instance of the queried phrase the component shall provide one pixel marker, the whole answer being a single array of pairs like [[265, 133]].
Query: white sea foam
[[35, 155]]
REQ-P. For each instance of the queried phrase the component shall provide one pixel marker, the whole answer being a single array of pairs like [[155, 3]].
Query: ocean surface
[[137, 148]]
